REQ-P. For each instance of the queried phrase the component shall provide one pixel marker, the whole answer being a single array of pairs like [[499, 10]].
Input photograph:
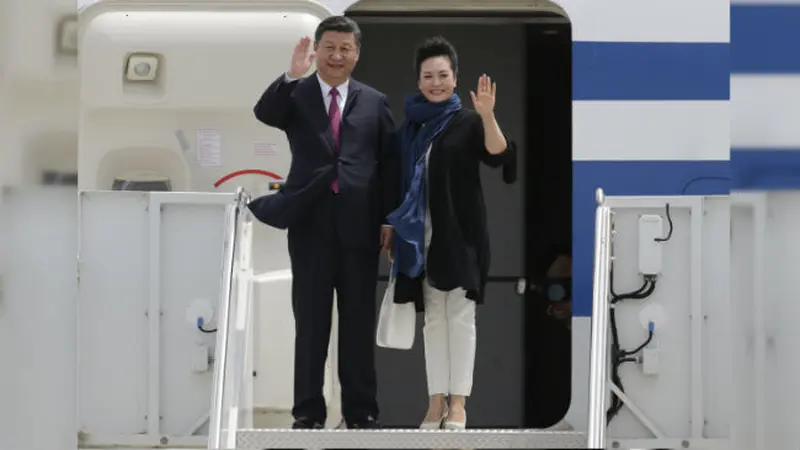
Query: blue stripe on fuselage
[[764, 39], [650, 71]]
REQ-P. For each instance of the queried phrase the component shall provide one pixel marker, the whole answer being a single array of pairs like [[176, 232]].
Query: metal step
[[260, 439]]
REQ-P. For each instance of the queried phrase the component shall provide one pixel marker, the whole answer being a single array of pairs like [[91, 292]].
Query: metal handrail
[[598, 371], [223, 323], [598, 368]]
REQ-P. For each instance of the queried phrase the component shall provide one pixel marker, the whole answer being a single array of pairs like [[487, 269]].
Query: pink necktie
[[335, 117]]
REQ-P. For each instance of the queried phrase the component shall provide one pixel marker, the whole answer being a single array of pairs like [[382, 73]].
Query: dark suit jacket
[[367, 165]]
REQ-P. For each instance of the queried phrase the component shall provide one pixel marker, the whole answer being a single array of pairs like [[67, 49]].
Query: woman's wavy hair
[[433, 47]]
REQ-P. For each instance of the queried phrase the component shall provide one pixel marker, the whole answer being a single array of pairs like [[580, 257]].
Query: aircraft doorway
[[523, 361]]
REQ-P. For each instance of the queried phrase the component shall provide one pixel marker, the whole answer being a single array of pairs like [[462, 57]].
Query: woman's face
[[436, 79]]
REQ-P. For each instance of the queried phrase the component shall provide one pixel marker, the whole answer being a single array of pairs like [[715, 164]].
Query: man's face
[[337, 55]]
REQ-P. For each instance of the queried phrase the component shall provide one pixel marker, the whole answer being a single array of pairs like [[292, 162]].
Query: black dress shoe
[[306, 424], [370, 423]]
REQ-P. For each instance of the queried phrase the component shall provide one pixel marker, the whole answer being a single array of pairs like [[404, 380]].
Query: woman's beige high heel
[[434, 424], [453, 425]]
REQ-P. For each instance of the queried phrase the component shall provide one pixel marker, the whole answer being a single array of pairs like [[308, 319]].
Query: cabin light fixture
[[67, 35], [142, 67]]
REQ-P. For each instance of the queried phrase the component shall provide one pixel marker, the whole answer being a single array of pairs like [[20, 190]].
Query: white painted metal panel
[[144, 259], [191, 252], [37, 318], [112, 301], [695, 278]]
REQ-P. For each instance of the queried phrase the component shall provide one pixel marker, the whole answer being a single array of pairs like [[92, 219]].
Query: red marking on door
[[239, 173]]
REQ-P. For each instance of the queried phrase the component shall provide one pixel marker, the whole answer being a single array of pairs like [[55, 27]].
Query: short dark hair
[[338, 24], [433, 47]]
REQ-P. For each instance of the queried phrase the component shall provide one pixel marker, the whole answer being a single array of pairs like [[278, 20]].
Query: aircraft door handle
[[522, 286]]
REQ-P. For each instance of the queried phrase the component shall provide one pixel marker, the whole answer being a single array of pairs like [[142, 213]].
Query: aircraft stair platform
[[231, 418], [247, 439]]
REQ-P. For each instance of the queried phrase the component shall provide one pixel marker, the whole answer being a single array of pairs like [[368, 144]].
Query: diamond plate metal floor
[[260, 439]]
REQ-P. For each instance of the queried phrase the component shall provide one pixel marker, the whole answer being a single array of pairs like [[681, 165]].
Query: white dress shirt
[[326, 92]]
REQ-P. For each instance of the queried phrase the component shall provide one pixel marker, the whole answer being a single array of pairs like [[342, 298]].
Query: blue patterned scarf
[[424, 121]]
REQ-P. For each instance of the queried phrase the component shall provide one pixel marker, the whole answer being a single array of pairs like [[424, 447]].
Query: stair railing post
[[598, 368], [216, 415]]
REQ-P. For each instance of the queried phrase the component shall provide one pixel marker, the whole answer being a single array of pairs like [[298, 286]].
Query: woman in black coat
[[441, 248]]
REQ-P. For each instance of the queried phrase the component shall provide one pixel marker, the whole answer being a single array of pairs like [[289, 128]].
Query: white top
[[428, 225]]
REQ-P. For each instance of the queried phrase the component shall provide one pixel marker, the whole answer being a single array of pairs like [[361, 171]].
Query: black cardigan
[[459, 254]]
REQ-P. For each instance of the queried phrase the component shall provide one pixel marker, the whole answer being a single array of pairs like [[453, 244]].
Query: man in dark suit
[[342, 183]]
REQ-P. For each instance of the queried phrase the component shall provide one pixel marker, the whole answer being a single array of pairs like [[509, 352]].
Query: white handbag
[[396, 321]]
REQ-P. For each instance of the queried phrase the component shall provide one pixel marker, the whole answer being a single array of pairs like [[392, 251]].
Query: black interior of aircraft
[[548, 194], [523, 362]]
